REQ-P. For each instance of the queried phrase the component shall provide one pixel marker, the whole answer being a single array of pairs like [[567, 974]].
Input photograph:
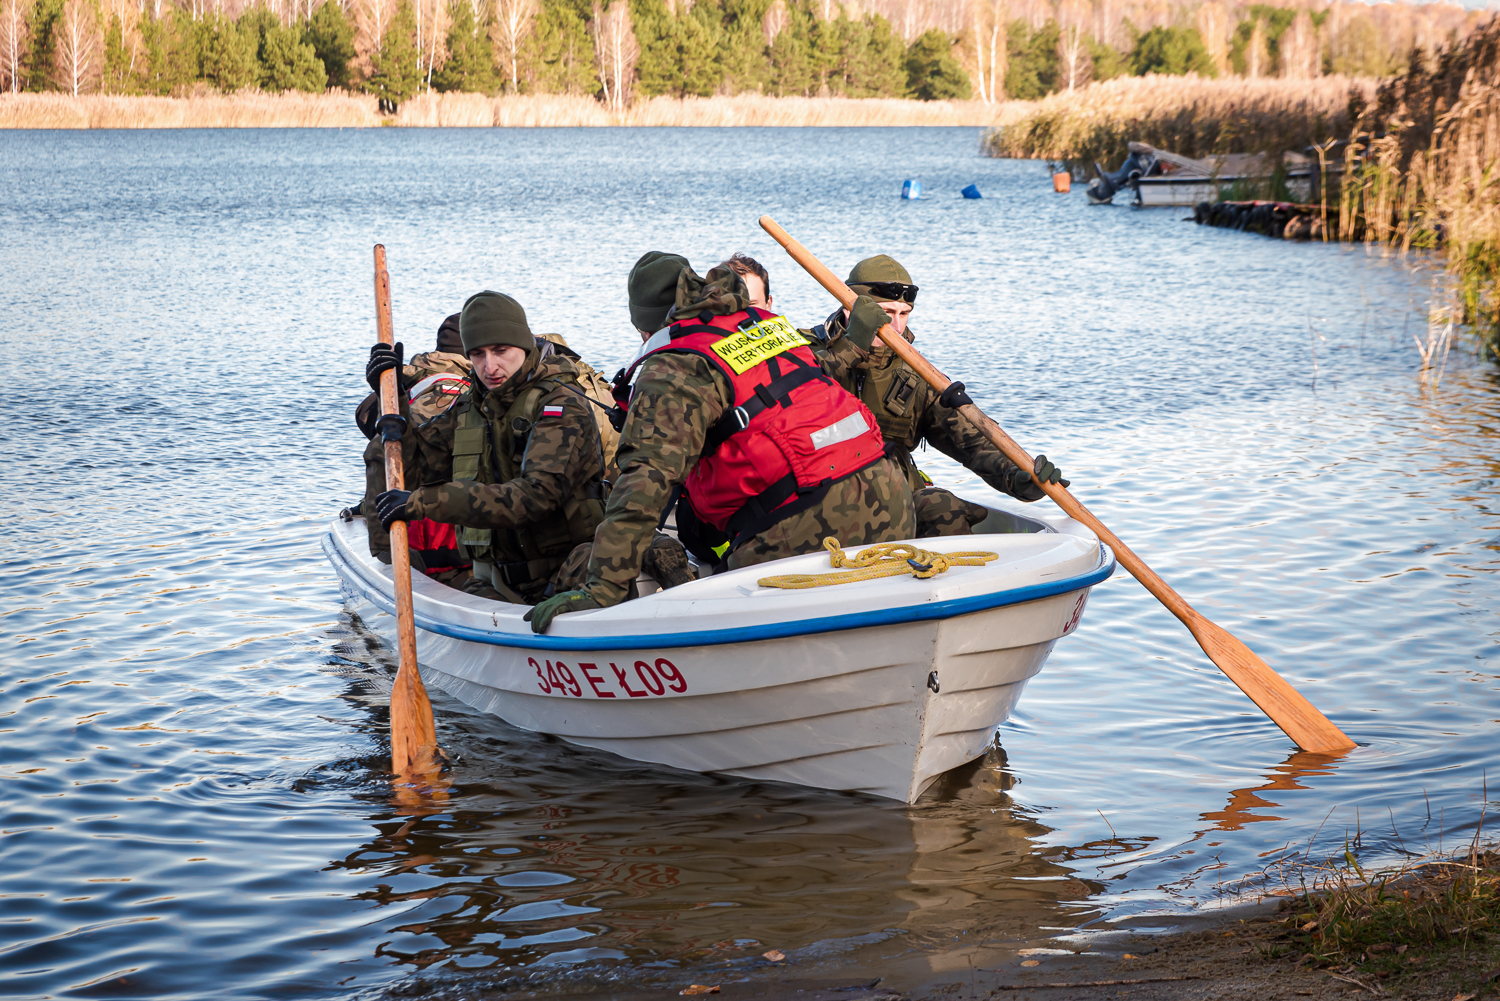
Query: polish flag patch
[[552, 412]]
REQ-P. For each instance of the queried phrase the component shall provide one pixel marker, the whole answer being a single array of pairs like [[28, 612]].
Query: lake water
[[192, 727]]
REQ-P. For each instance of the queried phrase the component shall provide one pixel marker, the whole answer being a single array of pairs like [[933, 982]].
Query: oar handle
[[1286, 707]]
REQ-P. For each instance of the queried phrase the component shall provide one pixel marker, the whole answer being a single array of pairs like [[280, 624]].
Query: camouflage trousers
[[873, 505], [942, 512]]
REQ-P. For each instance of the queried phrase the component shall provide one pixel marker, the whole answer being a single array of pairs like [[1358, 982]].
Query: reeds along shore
[[1188, 115], [344, 110]]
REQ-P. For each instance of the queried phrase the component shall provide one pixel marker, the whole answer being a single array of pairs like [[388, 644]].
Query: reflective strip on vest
[[433, 380], [849, 428]]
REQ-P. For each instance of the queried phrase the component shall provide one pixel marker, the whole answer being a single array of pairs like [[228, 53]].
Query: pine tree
[[559, 54], [875, 62], [397, 74], [41, 24], [331, 35], [118, 78], [659, 68], [172, 57], [791, 56], [227, 54], [931, 71], [471, 54], [287, 63], [700, 38]]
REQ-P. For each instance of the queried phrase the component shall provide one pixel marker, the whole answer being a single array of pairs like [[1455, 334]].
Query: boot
[[667, 563]]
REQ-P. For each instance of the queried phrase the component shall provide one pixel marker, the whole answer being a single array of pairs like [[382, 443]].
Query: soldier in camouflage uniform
[[428, 384], [908, 409], [526, 481], [677, 398]]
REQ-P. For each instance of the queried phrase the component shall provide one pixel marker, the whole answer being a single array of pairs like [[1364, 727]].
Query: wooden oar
[[415, 757], [1287, 708]]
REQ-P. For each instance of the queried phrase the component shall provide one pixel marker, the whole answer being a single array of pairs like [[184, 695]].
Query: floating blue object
[[972, 191], [911, 189]]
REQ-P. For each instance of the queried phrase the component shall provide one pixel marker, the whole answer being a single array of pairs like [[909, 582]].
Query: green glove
[[1024, 489], [865, 318], [542, 614], [600, 594]]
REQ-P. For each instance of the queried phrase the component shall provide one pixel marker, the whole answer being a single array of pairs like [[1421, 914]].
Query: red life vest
[[438, 544], [791, 433]]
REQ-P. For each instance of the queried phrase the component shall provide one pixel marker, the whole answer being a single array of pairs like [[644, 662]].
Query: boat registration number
[[609, 681]]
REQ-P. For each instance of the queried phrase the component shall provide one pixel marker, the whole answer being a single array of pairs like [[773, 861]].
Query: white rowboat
[[878, 686]]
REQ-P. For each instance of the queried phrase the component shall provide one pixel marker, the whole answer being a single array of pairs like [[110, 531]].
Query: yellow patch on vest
[[745, 349]]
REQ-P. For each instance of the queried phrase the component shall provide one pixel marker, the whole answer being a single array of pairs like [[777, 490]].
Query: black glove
[[391, 506], [382, 357], [1024, 489], [353, 510], [865, 318]]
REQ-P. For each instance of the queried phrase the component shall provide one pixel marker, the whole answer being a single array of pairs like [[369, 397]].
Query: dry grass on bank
[[1187, 115], [205, 111], [342, 110]]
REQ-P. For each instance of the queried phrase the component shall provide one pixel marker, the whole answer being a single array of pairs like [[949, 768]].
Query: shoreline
[[341, 109]]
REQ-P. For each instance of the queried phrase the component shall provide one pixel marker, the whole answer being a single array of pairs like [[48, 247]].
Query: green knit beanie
[[879, 268], [653, 288], [494, 318]]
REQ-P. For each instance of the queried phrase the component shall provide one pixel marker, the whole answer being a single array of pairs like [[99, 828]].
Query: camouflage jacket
[[536, 488], [426, 456], [677, 398], [907, 408]]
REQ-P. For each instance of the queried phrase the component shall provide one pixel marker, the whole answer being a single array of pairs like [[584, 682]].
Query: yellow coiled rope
[[888, 559]]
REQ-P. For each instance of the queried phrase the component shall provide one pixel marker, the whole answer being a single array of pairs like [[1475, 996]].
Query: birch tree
[[1257, 56], [512, 25], [371, 18], [987, 23], [1213, 27], [1299, 49], [1075, 61], [78, 45], [15, 34], [617, 50]]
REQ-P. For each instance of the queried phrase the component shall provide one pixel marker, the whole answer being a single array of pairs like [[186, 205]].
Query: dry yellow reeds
[[1188, 115], [342, 110], [205, 111], [1422, 169]]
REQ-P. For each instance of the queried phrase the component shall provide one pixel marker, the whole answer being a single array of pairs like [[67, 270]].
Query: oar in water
[[1287, 708], [415, 756]]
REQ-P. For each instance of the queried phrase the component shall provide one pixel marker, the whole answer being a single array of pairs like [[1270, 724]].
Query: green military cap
[[880, 268], [652, 286], [494, 318], [883, 278]]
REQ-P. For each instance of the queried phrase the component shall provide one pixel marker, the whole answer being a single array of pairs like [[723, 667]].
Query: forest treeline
[[615, 50]]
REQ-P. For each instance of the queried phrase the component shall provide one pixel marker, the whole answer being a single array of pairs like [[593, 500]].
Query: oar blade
[[414, 748], [1287, 707]]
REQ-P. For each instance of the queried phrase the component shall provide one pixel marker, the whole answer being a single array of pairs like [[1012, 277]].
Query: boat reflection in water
[[563, 869]]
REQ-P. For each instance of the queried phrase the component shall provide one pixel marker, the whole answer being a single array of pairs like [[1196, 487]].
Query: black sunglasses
[[894, 291]]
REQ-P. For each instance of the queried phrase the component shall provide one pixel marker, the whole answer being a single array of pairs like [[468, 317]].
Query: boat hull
[[1180, 190], [882, 706]]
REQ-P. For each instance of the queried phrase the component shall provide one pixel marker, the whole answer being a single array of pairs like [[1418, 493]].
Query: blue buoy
[[911, 189], [972, 191]]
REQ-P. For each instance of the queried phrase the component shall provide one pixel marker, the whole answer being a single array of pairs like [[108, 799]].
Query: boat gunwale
[[356, 578]]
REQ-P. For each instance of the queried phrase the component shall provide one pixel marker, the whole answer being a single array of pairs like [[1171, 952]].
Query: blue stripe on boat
[[354, 576]]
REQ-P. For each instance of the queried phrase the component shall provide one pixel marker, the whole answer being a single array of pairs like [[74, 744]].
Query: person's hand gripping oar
[[415, 756], [1276, 698]]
